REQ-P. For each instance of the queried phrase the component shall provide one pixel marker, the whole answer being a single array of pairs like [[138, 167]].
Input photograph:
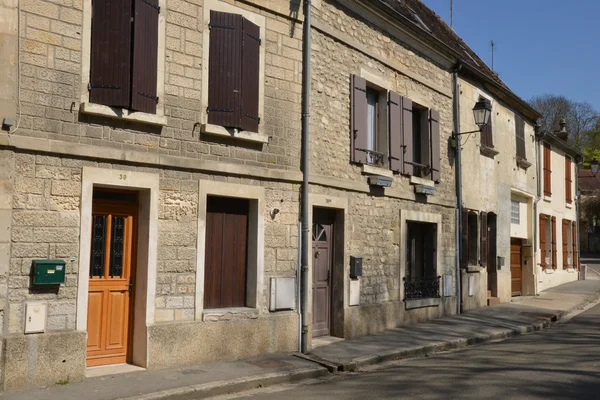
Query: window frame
[[547, 169], [568, 180], [512, 211], [86, 107], [520, 136], [211, 129], [382, 131]]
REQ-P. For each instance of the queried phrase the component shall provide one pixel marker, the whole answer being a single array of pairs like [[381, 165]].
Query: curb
[[233, 386]]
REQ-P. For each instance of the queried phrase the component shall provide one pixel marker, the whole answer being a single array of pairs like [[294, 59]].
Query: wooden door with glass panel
[[112, 268]]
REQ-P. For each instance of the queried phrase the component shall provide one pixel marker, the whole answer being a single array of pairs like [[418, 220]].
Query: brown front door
[[516, 269], [112, 268], [322, 246]]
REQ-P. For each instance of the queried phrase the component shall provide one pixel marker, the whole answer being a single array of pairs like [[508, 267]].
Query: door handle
[[317, 254], [129, 286]]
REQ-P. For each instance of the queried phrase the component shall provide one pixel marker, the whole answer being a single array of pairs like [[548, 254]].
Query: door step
[[493, 301]]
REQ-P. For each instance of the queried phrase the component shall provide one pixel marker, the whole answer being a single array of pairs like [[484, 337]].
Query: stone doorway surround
[[340, 291], [148, 186]]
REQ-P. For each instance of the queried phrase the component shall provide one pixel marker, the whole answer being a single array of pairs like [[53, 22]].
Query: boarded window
[[484, 239], [568, 181], [520, 137], [226, 252], [547, 170], [233, 72], [469, 236], [472, 224], [486, 134], [543, 240], [123, 57], [554, 255], [566, 227]]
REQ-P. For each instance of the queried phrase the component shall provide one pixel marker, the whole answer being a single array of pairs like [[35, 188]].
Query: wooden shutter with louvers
[[225, 69], [145, 55], [486, 134], [574, 239], [543, 240], [250, 67], [554, 259], [434, 129], [464, 255], [110, 55], [520, 136], [484, 240], [358, 125], [568, 182], [565, 243], [395, 126], [547, 170], [407, 135]]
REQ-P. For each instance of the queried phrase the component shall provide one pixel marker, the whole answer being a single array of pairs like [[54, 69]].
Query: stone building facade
[[170, 196]]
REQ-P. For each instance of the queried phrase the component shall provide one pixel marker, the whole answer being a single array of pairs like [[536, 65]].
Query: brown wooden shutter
[[568, 183], [407, 135], [110, 55], [464, 255], [486, 134], [554, 259], [565, 243], [484, 240], [574, 238], [520, 135], [434, 129], [250, 71], [145, 55], [547, 170], [395, 126], [225, 69], [358, 128], [543, 240]]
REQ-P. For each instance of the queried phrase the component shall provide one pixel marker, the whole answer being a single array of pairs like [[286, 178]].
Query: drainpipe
[[538, 137], [305, 165], [459, 249], [578, 211]]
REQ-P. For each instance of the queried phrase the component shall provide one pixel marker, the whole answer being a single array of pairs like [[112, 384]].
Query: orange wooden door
[[516, 269], [112, 267]]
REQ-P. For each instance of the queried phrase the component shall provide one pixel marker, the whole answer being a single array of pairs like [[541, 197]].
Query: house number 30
[[122, 176]]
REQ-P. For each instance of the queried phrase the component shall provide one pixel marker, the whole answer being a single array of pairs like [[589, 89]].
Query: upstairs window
[[520, 137], [568, 181], [388, 130], [487, 139], [547, 170], [515, 215], [124, 54], [470, 232], [233, 72]]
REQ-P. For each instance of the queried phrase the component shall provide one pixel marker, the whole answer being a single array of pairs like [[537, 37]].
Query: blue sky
[[542, 46]]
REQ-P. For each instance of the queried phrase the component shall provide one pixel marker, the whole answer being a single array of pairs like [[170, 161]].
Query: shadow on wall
[[294, 11]]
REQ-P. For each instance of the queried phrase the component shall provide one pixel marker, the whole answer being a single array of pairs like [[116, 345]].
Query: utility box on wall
[[283, 294], [355, 267], [35, 317], [48, 272]]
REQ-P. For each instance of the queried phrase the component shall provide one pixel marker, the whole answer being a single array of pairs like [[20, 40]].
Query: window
[[547, 170], [226, 252], [567, 244], [548, 241], [421, 279], [233, 72], [124, 54], [486, 134], [469, 234], [520, 137], [388, 130], [568, 181], [515, 217]]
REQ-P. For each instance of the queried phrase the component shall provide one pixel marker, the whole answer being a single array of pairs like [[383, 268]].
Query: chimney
[[562, 132]]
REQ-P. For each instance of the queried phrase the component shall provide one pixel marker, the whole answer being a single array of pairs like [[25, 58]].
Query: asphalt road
[[562, 362]]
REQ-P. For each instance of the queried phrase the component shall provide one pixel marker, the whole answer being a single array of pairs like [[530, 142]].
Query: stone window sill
[[371, 170], [216, 130], [473, 269], [549, 271], [548, 199], [571, 270], [415, 180], [229, 314], [569, 205], [420, 303], [488, 151], [523, 163], [123, 114]]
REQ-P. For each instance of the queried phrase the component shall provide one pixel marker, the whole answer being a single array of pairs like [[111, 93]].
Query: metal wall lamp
[[594, 166], [482, 113]]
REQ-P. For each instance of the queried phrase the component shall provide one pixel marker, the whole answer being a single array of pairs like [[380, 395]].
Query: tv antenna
[[493, 45]]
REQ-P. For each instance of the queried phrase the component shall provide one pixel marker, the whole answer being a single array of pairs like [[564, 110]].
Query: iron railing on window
[[421, 288]]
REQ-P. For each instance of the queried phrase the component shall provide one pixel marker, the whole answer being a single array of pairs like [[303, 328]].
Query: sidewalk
[[202, 381]]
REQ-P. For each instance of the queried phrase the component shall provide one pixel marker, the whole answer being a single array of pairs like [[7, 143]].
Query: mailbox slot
[[48, 272]]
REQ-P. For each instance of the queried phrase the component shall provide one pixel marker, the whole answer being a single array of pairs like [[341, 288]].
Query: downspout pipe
[[305, 167], [578, 165], [539, 136], [458, 170]]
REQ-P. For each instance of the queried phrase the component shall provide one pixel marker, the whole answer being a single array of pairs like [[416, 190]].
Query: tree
[[582, 119]]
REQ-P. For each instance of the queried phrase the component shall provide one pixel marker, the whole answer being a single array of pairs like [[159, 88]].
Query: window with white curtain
[[372, 124]]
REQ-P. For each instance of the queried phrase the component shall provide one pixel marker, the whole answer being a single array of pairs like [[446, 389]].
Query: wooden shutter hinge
[[255, 38], [94, 86], [150, 96], [361, 89], [210, 26], [253, 117], [157, 8]]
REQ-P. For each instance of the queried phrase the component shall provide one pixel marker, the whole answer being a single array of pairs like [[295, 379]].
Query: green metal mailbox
[[48, 272]]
